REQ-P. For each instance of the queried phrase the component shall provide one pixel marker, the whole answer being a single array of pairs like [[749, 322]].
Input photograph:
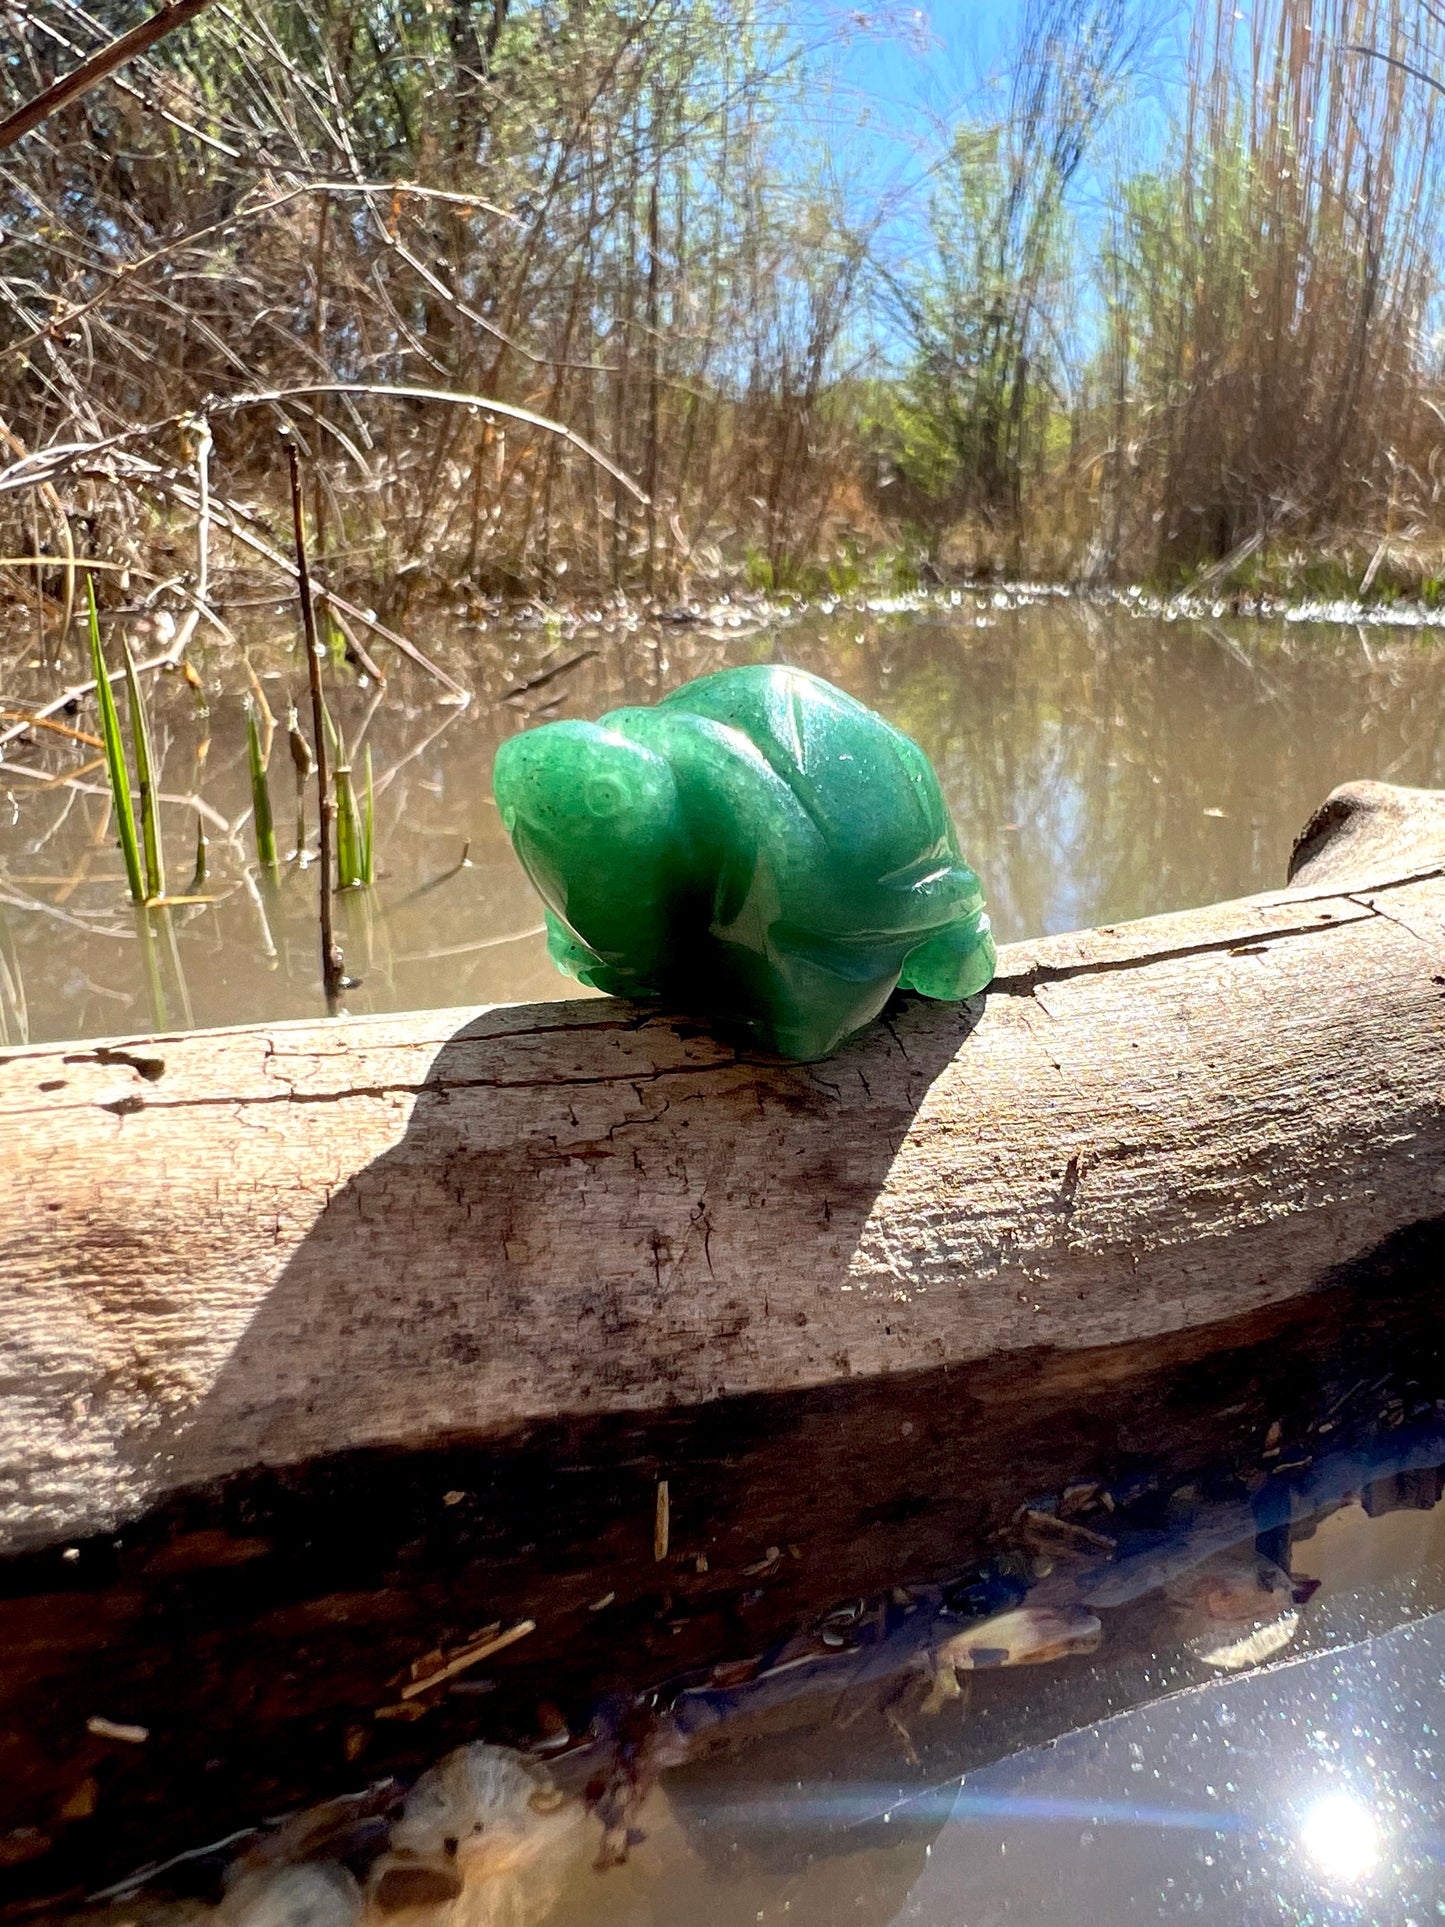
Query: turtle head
[[596, 821]]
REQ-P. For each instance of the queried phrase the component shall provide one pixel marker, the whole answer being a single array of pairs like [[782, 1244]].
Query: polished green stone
[[757, 849]]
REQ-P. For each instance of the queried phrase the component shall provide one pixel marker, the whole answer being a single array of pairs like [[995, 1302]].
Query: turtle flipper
[[957, 962]]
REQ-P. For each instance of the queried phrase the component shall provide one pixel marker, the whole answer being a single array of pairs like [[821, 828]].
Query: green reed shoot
[[151, 968], [354, 819], [14, 1016], [114, 755], [198, 875], [261, 816], [177, 970], [368, 824], [150, 823], [348, 832]]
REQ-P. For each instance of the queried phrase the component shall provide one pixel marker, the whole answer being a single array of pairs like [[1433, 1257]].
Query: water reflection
[[877, 1682], [1319, 1778], [1100, 766], [779, 1794]]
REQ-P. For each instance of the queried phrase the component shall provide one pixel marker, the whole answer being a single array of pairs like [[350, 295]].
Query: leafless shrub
[[564, 210]]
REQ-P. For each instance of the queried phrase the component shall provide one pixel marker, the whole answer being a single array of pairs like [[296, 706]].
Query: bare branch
[[90, 72]]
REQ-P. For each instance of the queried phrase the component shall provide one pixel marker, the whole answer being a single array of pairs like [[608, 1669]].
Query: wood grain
[[272, 1243]]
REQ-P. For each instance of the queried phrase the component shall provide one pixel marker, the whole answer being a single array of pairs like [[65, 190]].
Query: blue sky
[[900, 76], [908, 72]]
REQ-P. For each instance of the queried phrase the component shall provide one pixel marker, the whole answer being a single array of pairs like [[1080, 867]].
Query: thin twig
[[332, 968], [126, 275], [49, 780], [233, 519], [200, 604], [329, 598], [545, 676], [44, 722], [405, 391], [662, 1521], [77, 690], [366, 662], [468, 1657], [46, 780], [58, 456]]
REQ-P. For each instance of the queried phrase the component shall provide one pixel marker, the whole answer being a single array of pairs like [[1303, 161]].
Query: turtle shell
[[757, 849]]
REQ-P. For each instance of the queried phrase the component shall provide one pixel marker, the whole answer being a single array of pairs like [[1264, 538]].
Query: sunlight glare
[[1341, 1836]]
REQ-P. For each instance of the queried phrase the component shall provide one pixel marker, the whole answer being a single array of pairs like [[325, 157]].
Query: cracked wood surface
[[277, 1242]]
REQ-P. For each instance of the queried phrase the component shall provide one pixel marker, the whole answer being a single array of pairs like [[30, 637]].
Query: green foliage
[[1107, 352], [355, 819], [261, 818], [198, 873], [1258, 303], [759, 573], [845, 571], [147, 778], [350, 867], [970, 422], [114, 755]]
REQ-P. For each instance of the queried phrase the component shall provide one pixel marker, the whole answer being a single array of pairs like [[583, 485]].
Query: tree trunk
[[278, 1243]]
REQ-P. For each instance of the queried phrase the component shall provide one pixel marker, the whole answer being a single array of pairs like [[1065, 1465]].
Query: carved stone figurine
[[758, 849]]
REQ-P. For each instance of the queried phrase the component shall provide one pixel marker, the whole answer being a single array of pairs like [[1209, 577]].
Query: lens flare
[[1341, 1836]]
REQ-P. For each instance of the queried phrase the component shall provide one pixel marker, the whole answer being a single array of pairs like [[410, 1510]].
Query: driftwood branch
[[1361, 825], [127, 47], [278, 1243]]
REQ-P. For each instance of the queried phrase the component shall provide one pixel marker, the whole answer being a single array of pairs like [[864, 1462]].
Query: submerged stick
[[332, 968], [39, 717], [469, 1657], [301, 762]]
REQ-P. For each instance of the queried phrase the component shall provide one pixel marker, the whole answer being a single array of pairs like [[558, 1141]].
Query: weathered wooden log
[[1360, 825], [280, 1242]]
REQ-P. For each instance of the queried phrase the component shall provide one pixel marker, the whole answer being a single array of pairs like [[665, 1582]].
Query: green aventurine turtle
[[757, 849]]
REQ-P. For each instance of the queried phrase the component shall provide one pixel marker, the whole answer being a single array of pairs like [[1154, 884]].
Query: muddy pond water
[[1101, 763], [1141, 1635]]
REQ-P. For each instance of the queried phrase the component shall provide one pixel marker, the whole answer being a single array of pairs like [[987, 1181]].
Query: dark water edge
[[822, 1546]]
